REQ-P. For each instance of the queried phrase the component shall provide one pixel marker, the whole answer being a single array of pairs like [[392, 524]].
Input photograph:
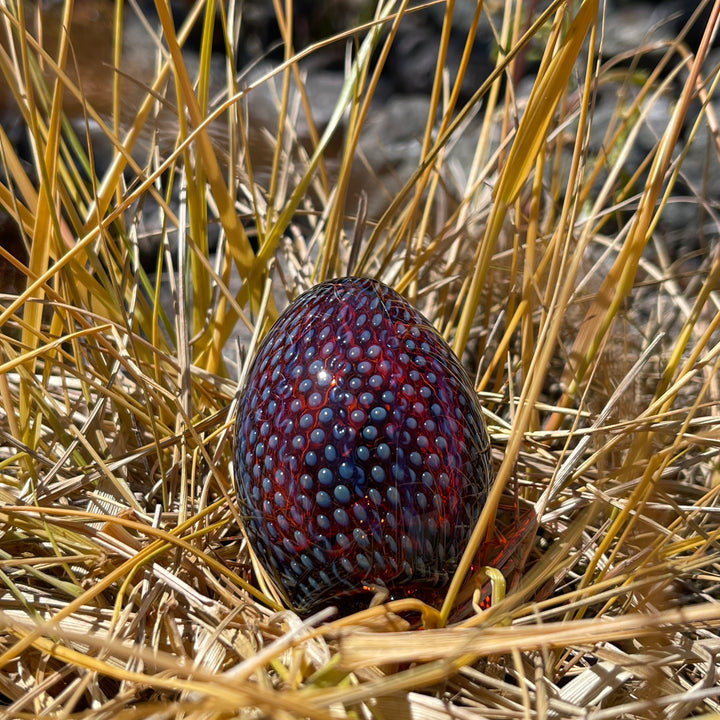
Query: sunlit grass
[[127, 587]]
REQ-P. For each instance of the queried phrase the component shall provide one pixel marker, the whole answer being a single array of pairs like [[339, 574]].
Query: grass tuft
[[159, 210]]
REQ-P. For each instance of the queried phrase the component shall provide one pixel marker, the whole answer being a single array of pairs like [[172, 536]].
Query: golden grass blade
[[20, 179], [619, 280], [359, 649], [230, 697], [46, 221], [111, 178], [431, 172], [530, 138], [163, 543], [490, 85], [541, 105], [530, 391], [329, 262], [24, 215], [197, 205], [626, 520], [30, 355], [238, 243], [285, 22]]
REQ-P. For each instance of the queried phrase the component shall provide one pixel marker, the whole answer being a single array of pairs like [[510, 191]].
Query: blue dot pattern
[[361, 457]]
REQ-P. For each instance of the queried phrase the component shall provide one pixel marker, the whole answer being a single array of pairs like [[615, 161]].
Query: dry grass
[[126, 588]]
